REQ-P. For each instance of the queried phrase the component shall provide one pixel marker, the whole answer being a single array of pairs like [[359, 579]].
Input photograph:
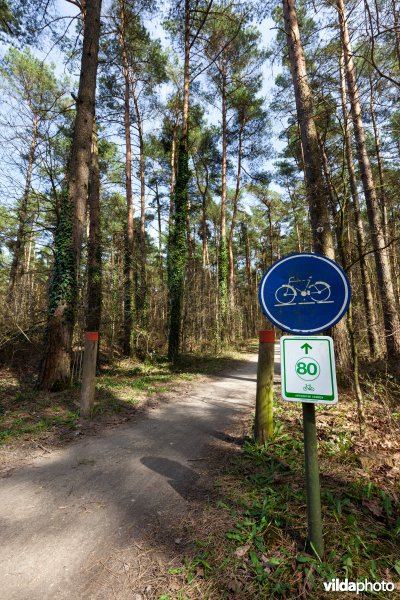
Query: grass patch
[[26, 413], [258, 548]]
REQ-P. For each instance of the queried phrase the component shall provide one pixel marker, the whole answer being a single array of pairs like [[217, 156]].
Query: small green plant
[[339, 446], [197, 567]]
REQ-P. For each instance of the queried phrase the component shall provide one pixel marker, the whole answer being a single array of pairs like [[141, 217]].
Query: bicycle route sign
[[304, 293], [308, 369]]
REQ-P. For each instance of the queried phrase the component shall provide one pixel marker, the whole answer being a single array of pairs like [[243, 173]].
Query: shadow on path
[[74, 507]]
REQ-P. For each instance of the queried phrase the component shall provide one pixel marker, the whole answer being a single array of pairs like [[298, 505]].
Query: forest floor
[[177, 502], [33, 421]]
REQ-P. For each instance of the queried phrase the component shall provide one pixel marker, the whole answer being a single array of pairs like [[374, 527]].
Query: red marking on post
[[92, 336], [267, 335]]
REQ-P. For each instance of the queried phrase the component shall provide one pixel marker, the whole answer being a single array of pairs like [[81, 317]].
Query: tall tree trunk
[[340, 218], [173, 175], [22, 215], [129, 226], [204, 258], [369, 306], [93, 310], [295, 220], [247, 255], [315, 185], [319, 215], [270, 235], [177, 246], [388, 234], [26, 298], [55, 368], [190, 242], [231, 287], [382, 194], [223, 253], [142, 301], [203, 228], [343, 331], [160, 258], [390, 315]]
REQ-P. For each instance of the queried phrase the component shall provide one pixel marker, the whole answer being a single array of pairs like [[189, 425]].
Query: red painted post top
[[92, 336], [267, 335]]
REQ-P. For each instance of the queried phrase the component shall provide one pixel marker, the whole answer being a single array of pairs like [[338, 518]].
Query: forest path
[[70, 509]]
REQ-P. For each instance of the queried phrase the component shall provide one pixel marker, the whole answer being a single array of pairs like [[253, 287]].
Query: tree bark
[[341, 333], [204, 194], [142, 301], [223, 254], [177, 245], [22, 215], [55, 368], [160, 258], [231, 286], [93, 310], [319, 215], [129, 227], [382, 194], [315, 185], [390, 315], [369, 307], [172, 184], [295, 220]]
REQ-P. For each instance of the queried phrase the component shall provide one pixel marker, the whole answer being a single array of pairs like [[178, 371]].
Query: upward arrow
[[306, 347]]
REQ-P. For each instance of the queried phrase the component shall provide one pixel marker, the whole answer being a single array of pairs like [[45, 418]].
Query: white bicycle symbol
[[319, 291]]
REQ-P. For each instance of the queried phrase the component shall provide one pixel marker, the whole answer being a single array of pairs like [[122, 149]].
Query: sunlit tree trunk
[[313, 168], [312, 163], [295, 220], [55, 367], [129, 228], [160, 258], [177, 246], [390, 315], [369, 306], [231, 286], [173, 175], [204, 193], [223, 253], [387, 229], [382, 194], [142, 301], [22, 216]]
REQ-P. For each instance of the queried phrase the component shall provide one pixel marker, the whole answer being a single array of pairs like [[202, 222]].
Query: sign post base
[[315, 536]]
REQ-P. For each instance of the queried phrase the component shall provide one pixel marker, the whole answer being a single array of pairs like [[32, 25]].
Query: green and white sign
[[308, 369]]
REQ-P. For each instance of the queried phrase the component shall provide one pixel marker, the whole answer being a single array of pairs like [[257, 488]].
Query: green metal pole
[[315, 536], [264, 424]]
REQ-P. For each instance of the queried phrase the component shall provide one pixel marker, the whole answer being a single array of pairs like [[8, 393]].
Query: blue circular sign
[[304, 293]]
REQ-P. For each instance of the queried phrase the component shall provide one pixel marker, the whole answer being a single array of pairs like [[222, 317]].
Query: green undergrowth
[[26, 413], [260, 549]]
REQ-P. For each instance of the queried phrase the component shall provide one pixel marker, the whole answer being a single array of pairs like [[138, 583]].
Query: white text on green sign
[[308, 369]]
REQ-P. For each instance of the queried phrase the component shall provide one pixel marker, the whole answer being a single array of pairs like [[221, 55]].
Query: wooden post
[[264, 424], [89, 372]]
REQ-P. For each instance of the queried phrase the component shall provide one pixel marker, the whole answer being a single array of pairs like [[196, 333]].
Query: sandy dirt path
[[62, 514]]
